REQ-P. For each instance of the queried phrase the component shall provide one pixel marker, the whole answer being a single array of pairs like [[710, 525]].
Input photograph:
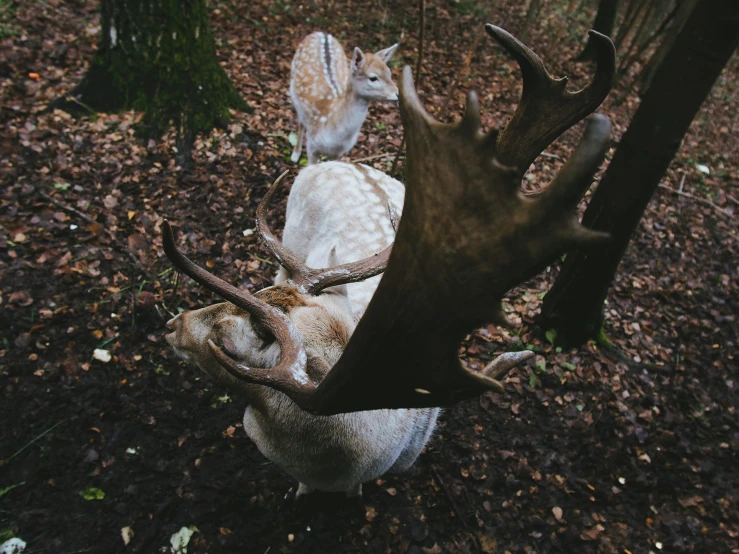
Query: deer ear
[[387, 53], [333, 260], [357, 60]]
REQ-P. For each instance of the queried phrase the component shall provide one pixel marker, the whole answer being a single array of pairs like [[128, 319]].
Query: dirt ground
[[628, 449]]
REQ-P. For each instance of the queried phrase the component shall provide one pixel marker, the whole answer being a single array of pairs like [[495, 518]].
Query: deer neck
[[351, 109]]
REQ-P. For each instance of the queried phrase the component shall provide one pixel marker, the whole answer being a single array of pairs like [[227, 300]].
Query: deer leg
[[303, 489], [298, 148], [313, 155], [356, 492]]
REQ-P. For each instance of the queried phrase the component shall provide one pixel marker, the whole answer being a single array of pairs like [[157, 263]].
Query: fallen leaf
[[181, 539], [102, 355], [126, 535]]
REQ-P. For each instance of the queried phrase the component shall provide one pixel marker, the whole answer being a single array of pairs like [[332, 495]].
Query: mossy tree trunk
[[158, 57], [574, 305]]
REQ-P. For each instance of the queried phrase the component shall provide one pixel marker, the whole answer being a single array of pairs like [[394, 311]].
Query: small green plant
[[92, 493], [470, 7], [7, 12], [6, 490], [161, 371], [533, 380], [219, 401]]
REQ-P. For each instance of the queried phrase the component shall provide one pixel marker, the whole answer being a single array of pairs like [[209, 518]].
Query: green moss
[[168, 71], [600, 335]]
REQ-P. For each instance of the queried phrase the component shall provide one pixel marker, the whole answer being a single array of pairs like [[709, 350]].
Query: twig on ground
[[554, 156], [615, 354], [49, 430], [66, 208], [116, 243], [79, 103], [370, 158], [698, 199], [449, 496]]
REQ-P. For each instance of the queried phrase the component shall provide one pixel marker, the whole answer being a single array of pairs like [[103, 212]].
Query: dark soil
[[632, 448]]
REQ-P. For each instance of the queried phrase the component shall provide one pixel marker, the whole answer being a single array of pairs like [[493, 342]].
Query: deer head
[[371, 77], [466, 237]]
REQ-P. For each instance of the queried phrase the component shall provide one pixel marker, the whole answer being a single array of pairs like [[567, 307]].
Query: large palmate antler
[[466, 237], [547, 109]]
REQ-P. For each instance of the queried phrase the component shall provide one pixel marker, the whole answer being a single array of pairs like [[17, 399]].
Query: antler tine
[[287, 259], [353, 272], [308, 280], [218, 286], [290, 372], [570, 184], [546, 109], [288, 377]]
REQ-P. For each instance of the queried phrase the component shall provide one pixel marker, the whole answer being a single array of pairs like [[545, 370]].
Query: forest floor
[[588, 451]]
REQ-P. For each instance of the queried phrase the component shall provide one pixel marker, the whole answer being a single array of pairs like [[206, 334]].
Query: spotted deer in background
[[332, 96]]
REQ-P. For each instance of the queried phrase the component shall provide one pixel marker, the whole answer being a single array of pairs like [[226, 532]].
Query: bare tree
[[532, 14], [605, 19], [574, 305], [684, 9]]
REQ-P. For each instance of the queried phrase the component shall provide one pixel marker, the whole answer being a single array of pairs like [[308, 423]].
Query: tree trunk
[[573, 6], [531, 16], [574, 305], [683, 12], [158, 57], [631, 16], [604, 20]]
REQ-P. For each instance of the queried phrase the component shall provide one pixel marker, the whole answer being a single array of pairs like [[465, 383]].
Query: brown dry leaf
[[22, 298], [592, 533], [488, 544], [690, 501]]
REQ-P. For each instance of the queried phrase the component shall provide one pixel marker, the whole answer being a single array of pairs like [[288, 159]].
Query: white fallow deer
[[332, 96], [340, 391]]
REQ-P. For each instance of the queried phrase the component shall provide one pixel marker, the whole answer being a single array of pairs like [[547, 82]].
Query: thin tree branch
[[419, 64], [698, 199]]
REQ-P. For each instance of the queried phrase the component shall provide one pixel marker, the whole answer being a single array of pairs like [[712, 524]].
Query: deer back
[[339, 213], [319, 76]]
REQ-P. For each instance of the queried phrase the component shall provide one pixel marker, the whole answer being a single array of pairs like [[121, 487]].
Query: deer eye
[[373, 78]]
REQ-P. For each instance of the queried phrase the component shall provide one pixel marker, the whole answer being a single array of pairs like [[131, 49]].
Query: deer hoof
[[303, 490]]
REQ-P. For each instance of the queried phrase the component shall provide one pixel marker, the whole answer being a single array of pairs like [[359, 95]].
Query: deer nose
[[393, 97], [174, 324]]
